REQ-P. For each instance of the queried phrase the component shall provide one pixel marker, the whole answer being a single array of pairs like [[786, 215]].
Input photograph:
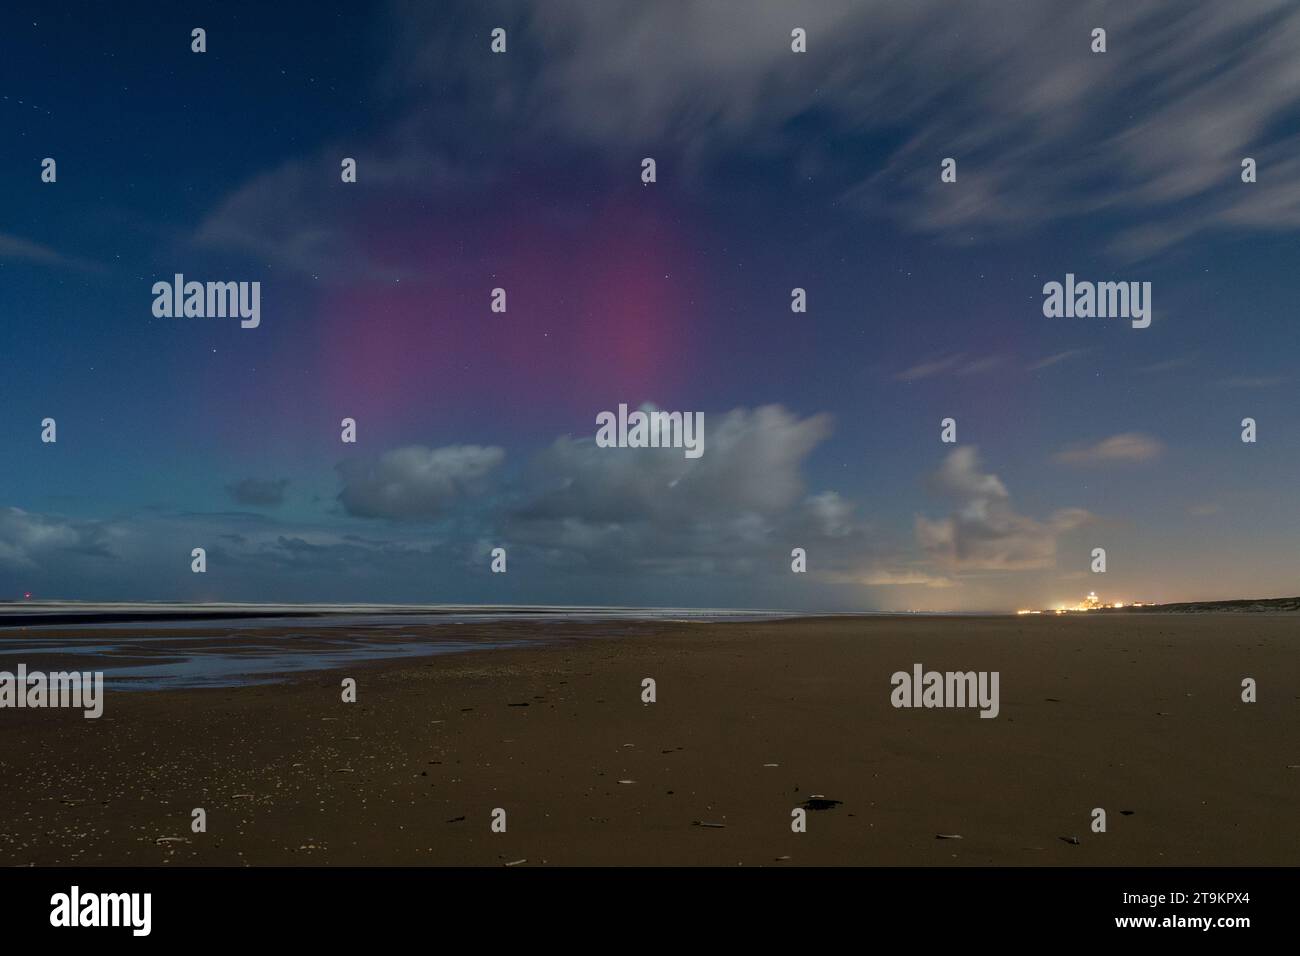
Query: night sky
[[775, 170]]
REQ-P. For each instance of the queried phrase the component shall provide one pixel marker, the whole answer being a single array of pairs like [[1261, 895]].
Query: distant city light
[[1090, 603]]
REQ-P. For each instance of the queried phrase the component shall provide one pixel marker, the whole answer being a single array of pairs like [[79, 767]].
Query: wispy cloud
[[927, 369], [15, 247], [291, 214], [950, 364], [1267, 381], [906, 578], [981, 365], [12, 247], [1167, 136], [1055, 359], [1185, 92], [1127, 447], [258, 492], [1168, 365]]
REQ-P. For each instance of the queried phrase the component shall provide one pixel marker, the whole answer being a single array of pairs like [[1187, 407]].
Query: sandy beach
[[1138, 714]]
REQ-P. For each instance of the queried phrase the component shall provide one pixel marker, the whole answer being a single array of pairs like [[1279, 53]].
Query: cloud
[[1055, 359], [959, 477], [750, 463], [28, 540], [1168, 365], [15, 247], [1034, 118], [258, 492], [985, 533], [415, 482], [294, 215], [627, 525], [927, 369], [740, 508], [981, 365], [956, 364], [1249, 382], [1127, 447], [1165, 116], [12, 247], [906, 578], [831, 515]]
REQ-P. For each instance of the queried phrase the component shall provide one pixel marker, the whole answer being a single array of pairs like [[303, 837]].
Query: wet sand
[[1140, 715]]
